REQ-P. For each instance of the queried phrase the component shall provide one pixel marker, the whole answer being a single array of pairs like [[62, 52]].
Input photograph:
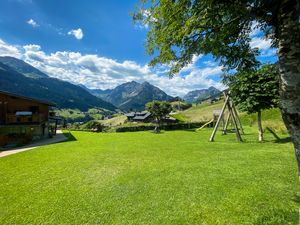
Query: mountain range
[[132, 95], [19, 77], [199, 95]]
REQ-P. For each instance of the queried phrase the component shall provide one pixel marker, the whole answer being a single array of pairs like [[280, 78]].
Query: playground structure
[[212, 122], [204, 125], [232, 114]]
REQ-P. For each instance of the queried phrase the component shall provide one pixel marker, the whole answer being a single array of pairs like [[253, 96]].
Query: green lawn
[[144, 178]]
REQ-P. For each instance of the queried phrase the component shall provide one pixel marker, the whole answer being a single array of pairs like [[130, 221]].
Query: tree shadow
[[296, 199], [278, 139], [157, 132], [189, 130], [278, 216], [284, 140]]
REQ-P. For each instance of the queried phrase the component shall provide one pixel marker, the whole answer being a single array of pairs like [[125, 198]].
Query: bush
[[93, 125]]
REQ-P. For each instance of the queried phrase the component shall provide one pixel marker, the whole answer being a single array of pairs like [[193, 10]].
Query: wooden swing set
[[232, 114]]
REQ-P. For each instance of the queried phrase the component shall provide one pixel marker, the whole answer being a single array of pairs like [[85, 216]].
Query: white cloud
[[9, 50], [264, 45], [32, 23], [32, 47], [99, 72], [255, 29], [260, 43], [78, 34]]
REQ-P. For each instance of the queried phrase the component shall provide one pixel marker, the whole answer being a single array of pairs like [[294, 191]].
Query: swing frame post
[[232, 113]]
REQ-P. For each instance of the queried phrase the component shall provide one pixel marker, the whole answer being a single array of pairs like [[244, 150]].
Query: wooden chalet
[[22, 118]]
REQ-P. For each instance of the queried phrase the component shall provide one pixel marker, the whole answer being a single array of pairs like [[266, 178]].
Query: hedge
[[177, 126]]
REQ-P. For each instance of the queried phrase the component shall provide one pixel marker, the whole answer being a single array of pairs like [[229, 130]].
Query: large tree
[[180, 29], [159, 110], [254, 91]]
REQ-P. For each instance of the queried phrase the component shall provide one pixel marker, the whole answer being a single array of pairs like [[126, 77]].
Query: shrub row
[[177, 126]]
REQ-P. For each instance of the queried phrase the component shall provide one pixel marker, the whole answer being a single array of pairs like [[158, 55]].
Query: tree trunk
[[289, 62], [157, 126], [260, 130]]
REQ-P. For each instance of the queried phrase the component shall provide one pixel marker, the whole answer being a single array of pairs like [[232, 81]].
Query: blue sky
[[95, 43], [107, 26]]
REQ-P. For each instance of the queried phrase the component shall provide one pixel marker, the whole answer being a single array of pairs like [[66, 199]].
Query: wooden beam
[[219, 119], [237, 132], [226, 123], [237, 117]]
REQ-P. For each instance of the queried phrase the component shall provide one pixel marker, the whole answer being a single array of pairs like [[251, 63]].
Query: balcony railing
[[32, 119]]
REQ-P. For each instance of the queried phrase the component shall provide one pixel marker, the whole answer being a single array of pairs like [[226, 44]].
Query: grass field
[[144, 178]]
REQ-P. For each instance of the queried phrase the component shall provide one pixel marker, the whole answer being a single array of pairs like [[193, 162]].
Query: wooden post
[[226, 123], [55, 126], [219, 119], [237, 117], [237, 132], [260, 129], [232, 113]]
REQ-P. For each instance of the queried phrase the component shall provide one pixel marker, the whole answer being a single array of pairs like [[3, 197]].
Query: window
[[34, 109]]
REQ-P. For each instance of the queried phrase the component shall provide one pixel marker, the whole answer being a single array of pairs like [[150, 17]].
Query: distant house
[[143, 116], [22, 118]]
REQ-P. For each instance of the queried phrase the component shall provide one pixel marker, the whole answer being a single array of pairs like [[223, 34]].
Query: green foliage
[[255, 91], [159, 110], [93, 125], [172, 178], [178, 30], [148, 126]]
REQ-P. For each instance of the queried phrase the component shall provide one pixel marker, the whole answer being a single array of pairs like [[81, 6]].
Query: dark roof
[[27, 98], [142, 117], [138, 115], [131, 114]]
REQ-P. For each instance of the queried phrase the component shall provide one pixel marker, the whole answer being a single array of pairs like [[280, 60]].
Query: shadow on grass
[[278, 139], [296, 199], [189, 130], [278, 216], [70, 136]]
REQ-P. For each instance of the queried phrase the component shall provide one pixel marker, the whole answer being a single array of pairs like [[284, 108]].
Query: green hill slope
[[204, 112]]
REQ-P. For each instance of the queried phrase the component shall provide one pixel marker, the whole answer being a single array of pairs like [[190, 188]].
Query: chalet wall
[[21, 129], [21, 134], [9, 105]]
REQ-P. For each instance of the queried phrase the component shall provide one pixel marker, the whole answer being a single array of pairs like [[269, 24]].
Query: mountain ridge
[[22, 67], [201, 94], [132, 95]]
